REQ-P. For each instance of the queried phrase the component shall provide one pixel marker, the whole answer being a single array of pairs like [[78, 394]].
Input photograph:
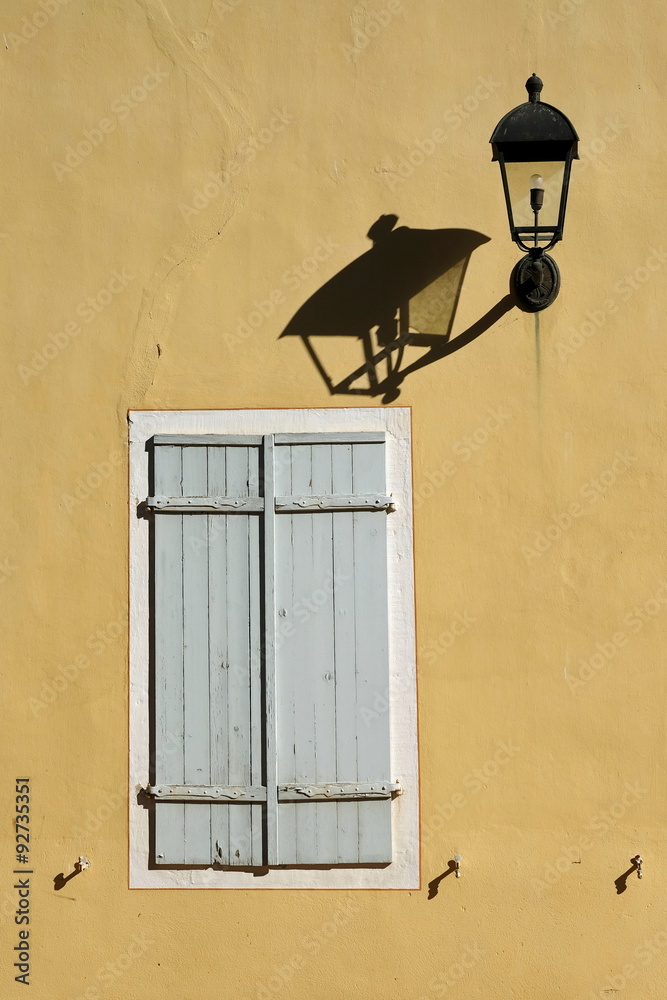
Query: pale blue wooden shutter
[[207, 651], [269, 636], [331, 651]]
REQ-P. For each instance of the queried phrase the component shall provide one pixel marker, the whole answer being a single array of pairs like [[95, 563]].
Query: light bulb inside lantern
[[536, 192]]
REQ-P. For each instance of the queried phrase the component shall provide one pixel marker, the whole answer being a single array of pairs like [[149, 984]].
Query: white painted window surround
[[394, 422]]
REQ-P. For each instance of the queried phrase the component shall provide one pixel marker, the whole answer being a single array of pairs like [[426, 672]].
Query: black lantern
[[535, 145]]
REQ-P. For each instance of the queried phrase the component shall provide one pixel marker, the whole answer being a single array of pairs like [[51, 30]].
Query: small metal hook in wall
[[638, 862], [457, 862]]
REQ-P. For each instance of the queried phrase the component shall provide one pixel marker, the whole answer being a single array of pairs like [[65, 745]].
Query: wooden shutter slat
[[269, 638], [257, 721], [370, 608], [196, 657], [296, 729], [168, 645], [284, 633], [347, 813], [324, 667], [242, 640], [219, 658]]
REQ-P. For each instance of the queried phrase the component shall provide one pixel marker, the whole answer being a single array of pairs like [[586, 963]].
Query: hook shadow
[[61, 880], [402, 293], [621, 881], [434, 884]]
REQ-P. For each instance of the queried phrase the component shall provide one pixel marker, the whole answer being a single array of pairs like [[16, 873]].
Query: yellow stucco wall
[[541, 664]]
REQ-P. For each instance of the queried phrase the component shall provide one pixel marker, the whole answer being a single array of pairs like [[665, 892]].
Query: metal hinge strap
[[204, 505], [207, 793], [294, 504], [298, 792], [339, 790], [255, 505]]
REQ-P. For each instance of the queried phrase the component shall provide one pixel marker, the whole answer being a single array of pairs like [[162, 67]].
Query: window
[[273, 704]]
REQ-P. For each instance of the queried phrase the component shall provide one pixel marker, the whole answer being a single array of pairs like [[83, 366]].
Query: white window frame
[[401, 700]]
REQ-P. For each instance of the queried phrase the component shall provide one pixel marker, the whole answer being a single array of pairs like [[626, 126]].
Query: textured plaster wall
[[540, 531]]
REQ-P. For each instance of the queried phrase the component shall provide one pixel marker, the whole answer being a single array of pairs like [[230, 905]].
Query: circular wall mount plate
[[535, 282]]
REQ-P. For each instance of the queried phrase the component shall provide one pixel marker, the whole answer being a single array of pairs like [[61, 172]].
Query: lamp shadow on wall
[[399, 299]]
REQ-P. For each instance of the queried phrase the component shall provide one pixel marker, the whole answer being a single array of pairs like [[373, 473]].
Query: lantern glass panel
[[518, 181]]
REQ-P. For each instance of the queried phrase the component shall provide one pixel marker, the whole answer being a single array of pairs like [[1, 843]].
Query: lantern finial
[[534, 87]]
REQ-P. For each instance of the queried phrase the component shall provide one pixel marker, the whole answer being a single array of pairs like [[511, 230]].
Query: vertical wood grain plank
[[372, 655], [285, 631], [271, 761], [196, 656], [168, 639], [298, 669], [321, 668], [238, 675], [257, 722], [219, 655], [345, 656]]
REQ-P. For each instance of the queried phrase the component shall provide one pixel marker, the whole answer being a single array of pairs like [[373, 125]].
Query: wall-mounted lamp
[[535, 145]]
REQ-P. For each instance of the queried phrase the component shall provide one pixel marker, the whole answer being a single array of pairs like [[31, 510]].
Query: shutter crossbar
[[286, 793], [371, 501], [339, 790], [204, 505], [255, 505], [207, 793]]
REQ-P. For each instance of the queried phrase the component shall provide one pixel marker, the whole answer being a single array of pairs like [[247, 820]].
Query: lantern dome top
[[534, 87], [534, 131]]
